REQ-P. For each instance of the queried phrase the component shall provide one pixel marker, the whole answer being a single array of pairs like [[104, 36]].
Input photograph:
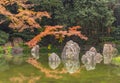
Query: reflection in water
[[116, 70], [72, 65], [48, 73], [22, 79], [54, 61], [54, 64]]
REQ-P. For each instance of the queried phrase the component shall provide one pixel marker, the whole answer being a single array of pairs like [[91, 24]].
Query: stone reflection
[[90, 58], [72, 65], [54, 61], [109, 52], [56, 74], [35, 52]]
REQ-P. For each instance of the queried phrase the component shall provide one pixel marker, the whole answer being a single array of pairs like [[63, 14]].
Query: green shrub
[[3, 37]]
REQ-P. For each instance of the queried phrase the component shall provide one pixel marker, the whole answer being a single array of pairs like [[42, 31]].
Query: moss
[[116, 61]]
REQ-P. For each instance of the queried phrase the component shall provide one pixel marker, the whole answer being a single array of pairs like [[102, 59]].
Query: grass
[[116, 60], [26, 73]]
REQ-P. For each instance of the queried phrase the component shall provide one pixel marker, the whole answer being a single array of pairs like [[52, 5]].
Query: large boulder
[[90, 58], [109, 51], [71, 51]]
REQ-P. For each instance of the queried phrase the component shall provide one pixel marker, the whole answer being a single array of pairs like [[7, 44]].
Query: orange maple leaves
[[25, 18], [58, 32]]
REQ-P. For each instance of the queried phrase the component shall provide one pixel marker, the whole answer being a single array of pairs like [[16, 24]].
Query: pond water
[[27, 73]]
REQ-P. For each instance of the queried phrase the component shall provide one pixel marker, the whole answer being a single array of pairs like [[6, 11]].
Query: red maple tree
[[26, 18]]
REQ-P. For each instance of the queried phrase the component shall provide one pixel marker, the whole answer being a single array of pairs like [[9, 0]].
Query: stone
[[17, 41], [54, 61], [17, 51], [35, 51], [98, 58], [109, 52], [72, 66], [71, 51], [93, 49], [90, 58]]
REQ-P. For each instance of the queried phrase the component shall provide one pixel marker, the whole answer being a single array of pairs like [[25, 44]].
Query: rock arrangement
[[70, 57], [54, 60], [90, 58], [109, 52], [35, 52]]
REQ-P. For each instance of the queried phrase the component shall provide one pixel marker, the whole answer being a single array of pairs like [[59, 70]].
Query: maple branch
[[57, 32]]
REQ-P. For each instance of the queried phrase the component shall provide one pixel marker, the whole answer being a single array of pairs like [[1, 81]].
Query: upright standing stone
[[17, 41], [90, 58], [54, 60], [35, 51], [71, 51], [109, 52]]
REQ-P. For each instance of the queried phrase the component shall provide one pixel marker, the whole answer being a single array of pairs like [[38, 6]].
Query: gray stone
[[17, 41], [109, 52], [17, 51], [71, 51], [90, 58], [98, 58], [54, 60], [35, 51]]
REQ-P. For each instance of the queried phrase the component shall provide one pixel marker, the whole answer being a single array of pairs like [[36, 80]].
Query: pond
[[27, 73]]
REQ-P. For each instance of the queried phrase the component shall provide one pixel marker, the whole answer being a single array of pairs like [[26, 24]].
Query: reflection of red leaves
[[58, 32], [48, 73]]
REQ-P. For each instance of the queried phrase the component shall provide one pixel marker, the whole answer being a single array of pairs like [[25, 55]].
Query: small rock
[[35, 51]]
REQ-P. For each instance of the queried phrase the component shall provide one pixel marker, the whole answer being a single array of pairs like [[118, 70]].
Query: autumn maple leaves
[[26, 18], [58, 32]]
